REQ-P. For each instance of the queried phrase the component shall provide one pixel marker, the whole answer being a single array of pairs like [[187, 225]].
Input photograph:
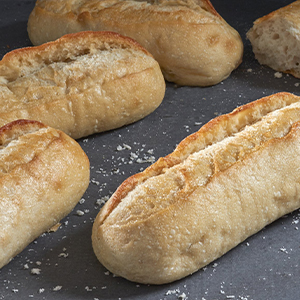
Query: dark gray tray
[[266, 266]]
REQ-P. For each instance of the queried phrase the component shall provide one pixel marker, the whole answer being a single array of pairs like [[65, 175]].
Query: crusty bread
[[190, 40], [82, 83], [43, 174], [275, 39], [227, 181]]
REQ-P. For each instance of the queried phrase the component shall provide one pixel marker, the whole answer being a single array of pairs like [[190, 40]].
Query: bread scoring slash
[[82, 83], [222, 184], [192, 43], [43, 175]]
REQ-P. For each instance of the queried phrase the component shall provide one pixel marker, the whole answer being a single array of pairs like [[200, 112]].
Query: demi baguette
[[43, 175], [192, 43], [222, 184], [82, 83], [275, 39]]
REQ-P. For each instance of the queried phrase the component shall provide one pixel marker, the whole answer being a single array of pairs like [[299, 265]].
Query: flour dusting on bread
[[82, 83], [191, 42], [222, 184]]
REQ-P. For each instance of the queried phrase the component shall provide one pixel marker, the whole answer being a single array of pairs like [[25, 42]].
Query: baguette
[[222, 184], [192, 43], [82, 83], [43, 174], [275, 39]]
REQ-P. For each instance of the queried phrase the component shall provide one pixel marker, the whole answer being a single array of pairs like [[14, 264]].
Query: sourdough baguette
[[82, 83], [43, 174], [189, 39], [275, 39], [222, 184]]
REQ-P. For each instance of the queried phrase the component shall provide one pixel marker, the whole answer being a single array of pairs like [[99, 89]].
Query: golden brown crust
[[289, 11], [189, 39], [220, 185], [70, 84], [43, 174], [212, 132]]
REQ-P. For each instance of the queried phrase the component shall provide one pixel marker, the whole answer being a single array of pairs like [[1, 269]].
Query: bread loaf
[[222, 184], [275, 39], [189, 39], [82, 83], [43, 174]]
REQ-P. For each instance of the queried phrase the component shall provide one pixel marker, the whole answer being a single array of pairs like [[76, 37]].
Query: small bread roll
[[43, 174], [275, 39], [189, 39], [222, 184], [82, 83]]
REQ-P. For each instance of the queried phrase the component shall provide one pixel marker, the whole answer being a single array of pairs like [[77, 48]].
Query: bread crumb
[[283, 249], [198, 123], [65, 255], [182, 296], [35, 271], [79, 212], [102, 200], [57, 288], [172, 292], [95, 181], [278, 75]]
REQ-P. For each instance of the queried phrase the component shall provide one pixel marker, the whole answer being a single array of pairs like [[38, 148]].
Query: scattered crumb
[[283, 249], [102, 200], [172, 292], [95, 181], [57, 288], [182, 296], [79, 212], [35, 271], [65, 255], [278, 75]]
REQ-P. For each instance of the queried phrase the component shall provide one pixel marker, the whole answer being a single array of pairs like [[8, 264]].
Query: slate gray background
[[266, 266]]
